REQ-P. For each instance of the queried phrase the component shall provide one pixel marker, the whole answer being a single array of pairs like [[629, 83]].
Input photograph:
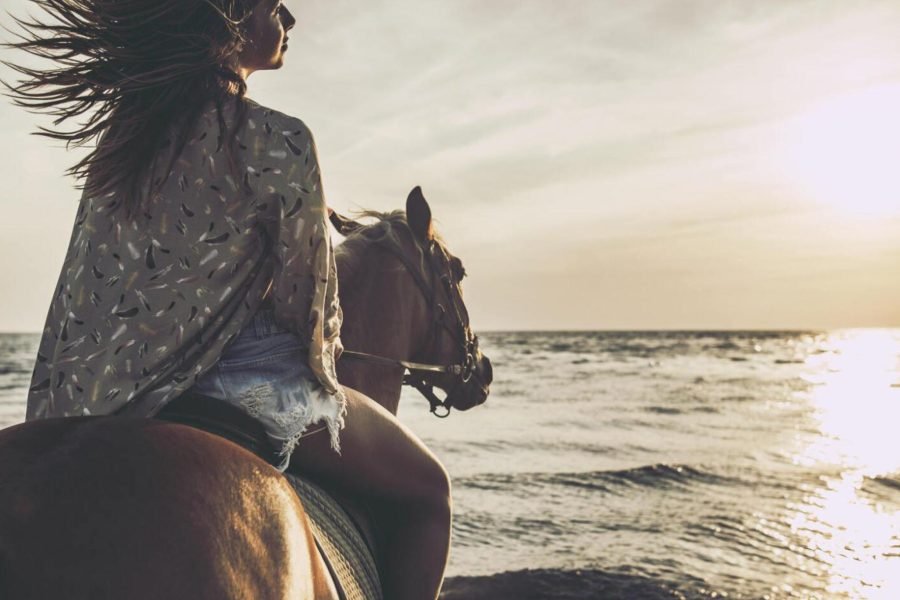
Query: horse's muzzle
[[474, 391]]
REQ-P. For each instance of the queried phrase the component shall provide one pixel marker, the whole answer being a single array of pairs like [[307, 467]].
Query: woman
[[200, 256]]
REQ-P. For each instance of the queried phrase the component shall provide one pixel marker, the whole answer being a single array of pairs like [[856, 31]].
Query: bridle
[[438, 268]]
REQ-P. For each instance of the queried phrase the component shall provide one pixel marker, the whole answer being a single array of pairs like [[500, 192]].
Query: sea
[[673, 464]]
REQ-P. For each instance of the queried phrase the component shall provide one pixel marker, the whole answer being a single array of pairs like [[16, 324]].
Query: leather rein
[[463, 371]]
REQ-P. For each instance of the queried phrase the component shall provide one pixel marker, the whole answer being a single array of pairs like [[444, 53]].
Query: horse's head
[[443, 337], [451, 337]]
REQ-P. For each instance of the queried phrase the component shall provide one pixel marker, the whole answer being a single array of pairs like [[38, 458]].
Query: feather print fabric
[[142, 307]]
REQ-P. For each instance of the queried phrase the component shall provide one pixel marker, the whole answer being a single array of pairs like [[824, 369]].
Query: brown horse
[[110, 507]]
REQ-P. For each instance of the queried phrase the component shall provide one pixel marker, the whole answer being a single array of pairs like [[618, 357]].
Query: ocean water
[[663, 464]]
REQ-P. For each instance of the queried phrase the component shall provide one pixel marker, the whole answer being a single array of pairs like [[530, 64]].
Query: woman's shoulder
[[274, 121], [261, 121], [281, 147]]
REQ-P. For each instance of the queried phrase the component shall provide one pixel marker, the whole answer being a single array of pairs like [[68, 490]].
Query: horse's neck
[[378, 303]]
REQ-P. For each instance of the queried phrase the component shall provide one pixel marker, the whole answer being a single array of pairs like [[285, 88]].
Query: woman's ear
[[418, 215]]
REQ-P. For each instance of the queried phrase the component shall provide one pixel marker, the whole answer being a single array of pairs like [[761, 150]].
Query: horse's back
[[101, 507]]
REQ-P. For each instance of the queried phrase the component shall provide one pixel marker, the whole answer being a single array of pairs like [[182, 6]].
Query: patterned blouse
[[143, 307]]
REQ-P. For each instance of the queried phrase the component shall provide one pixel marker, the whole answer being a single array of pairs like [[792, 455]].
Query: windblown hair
[[139, 73]]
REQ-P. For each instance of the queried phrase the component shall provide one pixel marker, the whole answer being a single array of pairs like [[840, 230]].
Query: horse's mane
[[389, 228]]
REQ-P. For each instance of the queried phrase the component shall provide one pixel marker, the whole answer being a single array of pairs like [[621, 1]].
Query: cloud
[[627, 139]]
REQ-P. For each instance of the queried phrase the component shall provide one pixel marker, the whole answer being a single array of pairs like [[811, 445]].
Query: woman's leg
[[385, 463]]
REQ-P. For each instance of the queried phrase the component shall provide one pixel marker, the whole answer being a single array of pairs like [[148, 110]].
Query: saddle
[[344, 548], [221, 418]]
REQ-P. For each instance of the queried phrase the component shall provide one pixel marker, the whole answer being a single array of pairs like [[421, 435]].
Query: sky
[[597, 164]]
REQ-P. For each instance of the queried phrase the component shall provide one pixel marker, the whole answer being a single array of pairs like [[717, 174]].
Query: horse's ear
[[418, 215]]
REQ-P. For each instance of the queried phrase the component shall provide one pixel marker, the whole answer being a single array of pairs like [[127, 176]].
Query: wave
[[624, 346], [646, 350], [14, 369], [549, 446], [559, 584], [664, 410], [657, 476], [890, 482], [883, 489], [727, 345], [664, 474], [671, 410]]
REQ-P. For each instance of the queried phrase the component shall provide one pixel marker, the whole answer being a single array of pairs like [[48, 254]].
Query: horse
[[123, 507]]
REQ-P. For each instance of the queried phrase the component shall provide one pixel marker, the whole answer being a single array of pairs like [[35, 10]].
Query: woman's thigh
[[379, 457]]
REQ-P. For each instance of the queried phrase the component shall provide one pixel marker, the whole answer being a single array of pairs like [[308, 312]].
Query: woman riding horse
[[200, 258]]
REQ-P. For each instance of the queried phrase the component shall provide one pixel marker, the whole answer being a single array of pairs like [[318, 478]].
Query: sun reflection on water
[[855, 403]]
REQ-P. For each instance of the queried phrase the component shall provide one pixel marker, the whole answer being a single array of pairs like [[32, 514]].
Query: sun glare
[[857, 401], [855, 397], [845, 151]]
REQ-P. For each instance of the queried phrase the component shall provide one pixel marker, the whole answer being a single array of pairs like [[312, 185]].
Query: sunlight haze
[[597, 165]]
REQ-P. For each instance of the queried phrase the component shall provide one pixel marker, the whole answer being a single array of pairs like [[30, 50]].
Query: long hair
[[139, 74]]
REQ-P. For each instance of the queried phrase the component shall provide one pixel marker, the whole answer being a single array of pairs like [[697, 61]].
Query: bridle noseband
[[460, 330]]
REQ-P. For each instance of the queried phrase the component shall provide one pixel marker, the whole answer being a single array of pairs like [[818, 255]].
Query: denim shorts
[[265, 372]]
